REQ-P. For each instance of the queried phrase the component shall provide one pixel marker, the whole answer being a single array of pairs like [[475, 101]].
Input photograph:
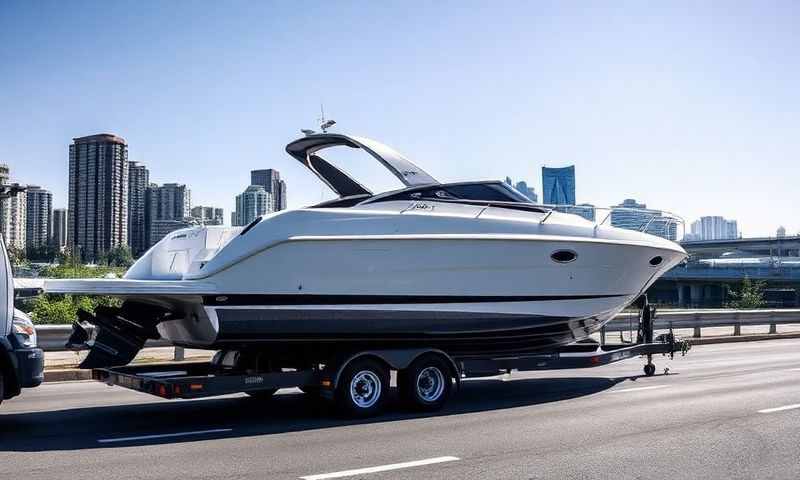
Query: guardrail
[[698, 319], [53, 337]]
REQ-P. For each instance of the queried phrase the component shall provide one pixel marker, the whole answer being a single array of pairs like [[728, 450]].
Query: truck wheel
[[426, 384], [263, 394], [361, 390]]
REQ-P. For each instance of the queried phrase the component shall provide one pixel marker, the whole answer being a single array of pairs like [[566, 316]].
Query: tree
[[119, 256], [749, 296], [16, 255]]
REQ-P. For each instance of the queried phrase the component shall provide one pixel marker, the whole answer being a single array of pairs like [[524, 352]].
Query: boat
[[469, 268]]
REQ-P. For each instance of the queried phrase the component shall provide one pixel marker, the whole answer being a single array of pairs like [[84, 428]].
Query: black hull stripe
[[304, 299]]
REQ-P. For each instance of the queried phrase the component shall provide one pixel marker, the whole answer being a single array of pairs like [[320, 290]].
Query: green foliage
[[749, 296], [60, 309], [63, 309], [119, 256], [16, 256]]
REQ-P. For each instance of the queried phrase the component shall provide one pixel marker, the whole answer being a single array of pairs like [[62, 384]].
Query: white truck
[[21, 361]]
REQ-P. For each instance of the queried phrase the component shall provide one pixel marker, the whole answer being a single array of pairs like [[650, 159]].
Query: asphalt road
[[717, 415]]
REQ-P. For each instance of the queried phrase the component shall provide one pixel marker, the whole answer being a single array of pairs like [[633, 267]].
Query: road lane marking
[[163, 435], [380, 468], [780, 409], [638, 389]]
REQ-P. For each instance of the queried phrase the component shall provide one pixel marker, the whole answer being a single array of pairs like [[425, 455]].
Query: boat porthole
[[563, 256], [656, 261]]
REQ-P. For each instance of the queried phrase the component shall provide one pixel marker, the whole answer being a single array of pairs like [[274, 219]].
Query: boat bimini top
[[305, 150]]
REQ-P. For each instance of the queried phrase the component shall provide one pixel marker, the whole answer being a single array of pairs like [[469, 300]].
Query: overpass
[[716, 266]]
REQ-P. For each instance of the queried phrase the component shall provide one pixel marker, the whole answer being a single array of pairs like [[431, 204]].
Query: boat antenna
[[324, 125]]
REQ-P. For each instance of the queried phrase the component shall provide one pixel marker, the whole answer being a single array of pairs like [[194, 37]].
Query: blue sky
[[689, 108]]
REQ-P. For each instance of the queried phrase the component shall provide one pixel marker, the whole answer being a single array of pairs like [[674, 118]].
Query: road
[[724, 411]]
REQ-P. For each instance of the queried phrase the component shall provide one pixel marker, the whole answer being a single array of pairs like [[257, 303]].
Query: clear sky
[[686, 107]]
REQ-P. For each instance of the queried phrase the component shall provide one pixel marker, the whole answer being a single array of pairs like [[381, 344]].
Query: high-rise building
[[208, 215], [270, 179], [98, 195], [138, 182], [12, 213], [12, 220], [253, 202], [636, 216], [714, 228], [38, 218], [59, 229], [170, 201], [558, 185], [523, 188]]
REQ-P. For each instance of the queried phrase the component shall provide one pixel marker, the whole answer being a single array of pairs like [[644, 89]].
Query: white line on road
[[780, 409], [163, 435], [638, 389], [380, 468]]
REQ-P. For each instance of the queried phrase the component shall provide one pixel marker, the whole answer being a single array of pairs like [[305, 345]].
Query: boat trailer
[[221, 376]]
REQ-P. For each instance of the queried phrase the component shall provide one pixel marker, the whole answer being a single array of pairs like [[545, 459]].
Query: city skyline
[[560, 84]]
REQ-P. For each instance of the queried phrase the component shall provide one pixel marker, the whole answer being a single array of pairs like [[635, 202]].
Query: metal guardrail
[[698, 319], [53, 337]]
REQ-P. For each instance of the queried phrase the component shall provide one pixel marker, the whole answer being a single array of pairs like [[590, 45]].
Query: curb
[[67, 375]]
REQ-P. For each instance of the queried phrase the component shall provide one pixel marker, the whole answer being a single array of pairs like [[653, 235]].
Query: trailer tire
[[362, 388], [262, 394], [427, 383]]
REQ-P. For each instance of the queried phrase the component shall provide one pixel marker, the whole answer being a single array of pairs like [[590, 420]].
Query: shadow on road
[[81, 428]]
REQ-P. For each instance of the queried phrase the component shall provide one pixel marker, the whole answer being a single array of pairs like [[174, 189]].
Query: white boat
[[470, 268]]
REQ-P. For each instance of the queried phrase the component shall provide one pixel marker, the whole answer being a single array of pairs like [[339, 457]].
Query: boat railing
[[658, 222]]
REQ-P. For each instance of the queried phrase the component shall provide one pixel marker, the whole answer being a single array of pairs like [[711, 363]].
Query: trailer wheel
[[262, 394], [361, 389], [426, 384], [650, 369]]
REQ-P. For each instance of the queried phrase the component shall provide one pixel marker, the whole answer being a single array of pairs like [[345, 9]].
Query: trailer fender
[[395, 359]]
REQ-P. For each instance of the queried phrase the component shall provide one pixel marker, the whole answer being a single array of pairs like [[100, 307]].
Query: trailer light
[[162, 390], [196, 386], [326, 383]]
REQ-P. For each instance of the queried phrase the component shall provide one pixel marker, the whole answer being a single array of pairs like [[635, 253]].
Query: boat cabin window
[[479, 191]]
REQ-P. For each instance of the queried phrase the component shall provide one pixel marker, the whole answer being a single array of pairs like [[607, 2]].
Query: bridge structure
[[717, 266]]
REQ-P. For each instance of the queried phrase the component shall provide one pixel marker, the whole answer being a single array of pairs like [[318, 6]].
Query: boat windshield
[[492, 191]]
